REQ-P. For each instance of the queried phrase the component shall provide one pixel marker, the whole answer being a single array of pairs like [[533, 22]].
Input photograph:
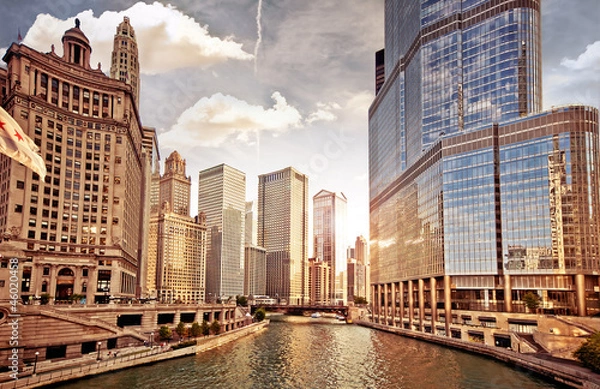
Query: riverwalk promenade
[[52, 372], [566, 372]]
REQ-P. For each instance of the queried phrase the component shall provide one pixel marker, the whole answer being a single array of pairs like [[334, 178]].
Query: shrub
[[589, 352]]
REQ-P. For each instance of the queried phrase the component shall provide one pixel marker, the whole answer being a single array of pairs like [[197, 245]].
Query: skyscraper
[[476, 197], [177, 242], [125, 65], [329, 239], [222, 198], [80, 228], [283, 231], [255, 257]]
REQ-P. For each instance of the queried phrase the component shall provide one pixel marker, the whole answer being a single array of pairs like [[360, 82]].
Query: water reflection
[[299, 353]]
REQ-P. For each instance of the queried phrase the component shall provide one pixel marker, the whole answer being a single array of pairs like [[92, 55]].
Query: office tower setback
[[79, 230], [124, 62], [221, 196], [477, 198], [283, 232], [329, 239]]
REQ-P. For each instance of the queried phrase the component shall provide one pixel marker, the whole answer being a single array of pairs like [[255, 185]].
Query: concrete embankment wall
[[141, 358], [563, 373]]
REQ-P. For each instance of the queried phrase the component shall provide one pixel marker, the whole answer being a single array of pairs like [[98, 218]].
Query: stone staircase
[[118, 331]]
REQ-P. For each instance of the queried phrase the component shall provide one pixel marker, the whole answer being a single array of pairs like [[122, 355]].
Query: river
[[297, 352]]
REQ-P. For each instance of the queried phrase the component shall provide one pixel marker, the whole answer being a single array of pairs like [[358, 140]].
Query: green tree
[[215, 327], [241, 300], [196, 330], [181, 330], [532, 301], [589, 352], [260, 314], [359, 300], [205, 327], [165, 333]]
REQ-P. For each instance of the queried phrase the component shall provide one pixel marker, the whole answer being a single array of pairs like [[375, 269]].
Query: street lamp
[[99, 345], [151, 339], [35, 362]]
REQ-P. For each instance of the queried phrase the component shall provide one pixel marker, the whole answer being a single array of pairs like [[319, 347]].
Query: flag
[[17, 145], [19, 37]]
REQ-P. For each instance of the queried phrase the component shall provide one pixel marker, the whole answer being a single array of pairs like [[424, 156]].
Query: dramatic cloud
[[588, 60], [324, 112], [167, 39], [575, 81], [213, 120]]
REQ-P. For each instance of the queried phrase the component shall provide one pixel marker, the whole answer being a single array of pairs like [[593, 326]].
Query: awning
[[502, 336], [487, 318], [467, 317]]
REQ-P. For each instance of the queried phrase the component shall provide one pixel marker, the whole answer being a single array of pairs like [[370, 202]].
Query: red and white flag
[[18, 146]]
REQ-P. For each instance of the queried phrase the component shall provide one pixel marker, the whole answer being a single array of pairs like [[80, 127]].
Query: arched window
[[66, 272]]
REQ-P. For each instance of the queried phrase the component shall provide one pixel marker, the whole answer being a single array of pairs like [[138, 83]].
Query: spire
[[124, 64]]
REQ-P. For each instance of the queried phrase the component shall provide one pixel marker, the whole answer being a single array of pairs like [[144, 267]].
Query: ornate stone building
[[78, 232]]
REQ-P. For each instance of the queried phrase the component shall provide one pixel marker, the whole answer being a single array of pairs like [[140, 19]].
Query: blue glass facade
[[477, 197]]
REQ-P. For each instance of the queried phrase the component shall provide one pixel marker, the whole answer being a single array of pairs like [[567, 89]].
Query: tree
[[45, 298], [260, 314], [205, 327], [358, 300], [165, 333], [196, 330], [215, 327], [181, 330], [589, 352], [532, 301], [241, 300]]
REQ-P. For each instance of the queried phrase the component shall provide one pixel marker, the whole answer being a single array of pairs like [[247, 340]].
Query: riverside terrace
[[69, 331]]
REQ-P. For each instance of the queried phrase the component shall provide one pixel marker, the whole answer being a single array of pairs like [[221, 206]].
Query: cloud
[[575, 81], [167, 39], [213, 120], [588, 60], [324, 112]]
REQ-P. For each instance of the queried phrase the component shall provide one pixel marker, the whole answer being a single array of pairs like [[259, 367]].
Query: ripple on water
[[296, 353]]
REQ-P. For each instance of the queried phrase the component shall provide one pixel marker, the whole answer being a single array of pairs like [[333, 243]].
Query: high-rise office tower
[[222, 198], [80, 228], [283, 232], [150, 199], [125, 65], [251, 223], [329, 239], [318, 282], [476, 197], [255, 257], [361, 250], [177, 242]]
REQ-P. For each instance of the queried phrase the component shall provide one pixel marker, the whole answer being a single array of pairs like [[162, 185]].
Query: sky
[[265, 84]]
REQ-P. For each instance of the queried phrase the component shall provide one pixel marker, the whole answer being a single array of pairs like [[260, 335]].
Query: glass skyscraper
[[477, 197], [329, 239]]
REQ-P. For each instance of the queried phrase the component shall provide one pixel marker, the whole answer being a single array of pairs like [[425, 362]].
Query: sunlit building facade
[[319, 274], [476, 196], [283, 232], [79, 231], [222, 198], [329, 240]]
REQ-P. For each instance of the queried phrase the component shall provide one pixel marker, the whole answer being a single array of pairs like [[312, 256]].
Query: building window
[[20, 184], [46, 271]]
